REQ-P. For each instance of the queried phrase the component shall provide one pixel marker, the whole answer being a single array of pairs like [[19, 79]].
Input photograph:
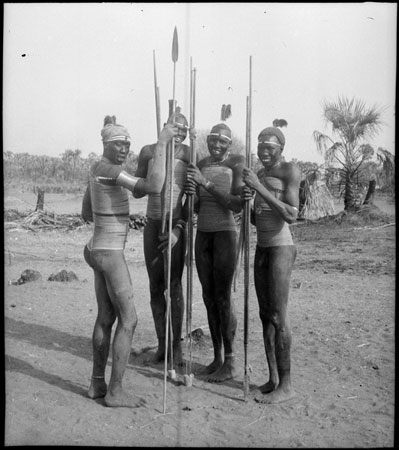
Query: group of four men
[[220, 184]]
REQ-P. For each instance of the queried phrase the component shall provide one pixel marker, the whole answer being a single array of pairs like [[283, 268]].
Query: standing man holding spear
[[276, 202], [247, 224], [158, 239], [217, 183]]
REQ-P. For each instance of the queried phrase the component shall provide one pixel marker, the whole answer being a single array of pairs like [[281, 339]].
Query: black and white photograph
[[199, 224]]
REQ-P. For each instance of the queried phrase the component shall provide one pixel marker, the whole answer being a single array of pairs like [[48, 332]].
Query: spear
[[166, 184], [175, 55], [247, 211], [166, 262], [190, 236], [156, 89]]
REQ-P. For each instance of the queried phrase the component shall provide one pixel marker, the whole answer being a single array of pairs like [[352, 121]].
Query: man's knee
[[278, 320], [106, 320], [209, 300], [127, 318], [123, 293], [176, 289], [129, 322], [157, 294]]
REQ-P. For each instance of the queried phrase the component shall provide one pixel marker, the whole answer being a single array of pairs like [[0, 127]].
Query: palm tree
[[387, 160], [353, 122]]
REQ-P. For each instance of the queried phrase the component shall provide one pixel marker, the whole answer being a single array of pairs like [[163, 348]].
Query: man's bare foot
[[123, 399], [278, 396], [225, 372], [97, 389], [215, 365], [268, 387], [157, 358]]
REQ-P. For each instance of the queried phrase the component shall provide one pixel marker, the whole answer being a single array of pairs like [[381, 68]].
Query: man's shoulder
[[183, 153], [147, 151], [236, 157], [204, 162], [260, 172], [105, 169], [94, 165], [234, 160], [288, 172], [291, 169], [99, 165]]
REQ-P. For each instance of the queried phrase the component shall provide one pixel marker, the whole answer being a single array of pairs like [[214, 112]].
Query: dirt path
[[343, 360]]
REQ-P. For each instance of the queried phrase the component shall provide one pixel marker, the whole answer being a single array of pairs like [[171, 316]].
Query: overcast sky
[[68, 65]]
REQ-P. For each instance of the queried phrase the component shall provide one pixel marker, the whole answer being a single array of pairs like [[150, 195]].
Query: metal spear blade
[[175, 46]]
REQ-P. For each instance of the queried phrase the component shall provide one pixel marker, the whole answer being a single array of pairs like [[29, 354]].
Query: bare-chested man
[[218, 179], [276, 188], [155, 243], [106, 203]]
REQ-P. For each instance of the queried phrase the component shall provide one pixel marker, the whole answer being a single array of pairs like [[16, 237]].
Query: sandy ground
[[342, 307]]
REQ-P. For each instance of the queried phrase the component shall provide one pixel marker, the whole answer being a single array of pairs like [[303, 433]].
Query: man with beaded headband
[[276, 188], [155, 243], [106, 203], [217, 182]]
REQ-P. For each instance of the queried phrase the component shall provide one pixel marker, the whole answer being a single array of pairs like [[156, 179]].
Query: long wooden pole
[[190, 230], [168, 190], [175, 55], [247, 212], [156, 89]]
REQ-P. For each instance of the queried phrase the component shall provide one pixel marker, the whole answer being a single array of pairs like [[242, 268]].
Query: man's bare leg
[[158, 309], [216, 335], [284, 390], [268, 339], [155, 260], [116, 395], [101, 338], [228, 321], [274, 265], [177, 315]]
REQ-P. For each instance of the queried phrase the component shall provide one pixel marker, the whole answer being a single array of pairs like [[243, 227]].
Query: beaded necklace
[[216, 163]]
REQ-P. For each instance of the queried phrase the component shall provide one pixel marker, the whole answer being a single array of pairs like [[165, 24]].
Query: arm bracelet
[[180, 224], [126, 180]]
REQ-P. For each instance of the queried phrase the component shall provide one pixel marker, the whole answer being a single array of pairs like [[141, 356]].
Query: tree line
[[348, 165], [66, 173]]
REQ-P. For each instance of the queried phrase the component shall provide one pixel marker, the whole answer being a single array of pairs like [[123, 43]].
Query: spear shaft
[[175, 55], [247, 211], [190, 228]]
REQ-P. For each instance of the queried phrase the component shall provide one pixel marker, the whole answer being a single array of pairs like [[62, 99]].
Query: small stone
[[28, 275], [63, 276]]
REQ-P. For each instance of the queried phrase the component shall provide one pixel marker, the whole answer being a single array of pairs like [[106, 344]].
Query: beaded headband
[[269, 142], [220, 135], [120, 137]]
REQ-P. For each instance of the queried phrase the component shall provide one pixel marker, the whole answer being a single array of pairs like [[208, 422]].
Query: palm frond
[[352, 118], [387, 160], [322, 141]]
